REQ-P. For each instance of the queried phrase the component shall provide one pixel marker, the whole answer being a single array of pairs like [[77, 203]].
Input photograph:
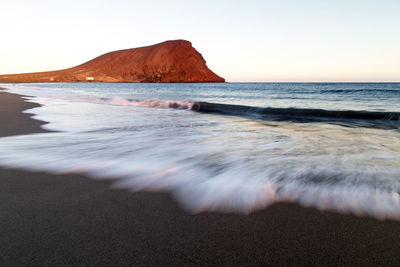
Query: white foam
[[232, 183]]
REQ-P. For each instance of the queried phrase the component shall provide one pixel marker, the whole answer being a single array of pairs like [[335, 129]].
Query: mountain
[[166, 62]]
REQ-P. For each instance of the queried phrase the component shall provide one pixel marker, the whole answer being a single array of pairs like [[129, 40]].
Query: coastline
[[13, 121], [71, 220]]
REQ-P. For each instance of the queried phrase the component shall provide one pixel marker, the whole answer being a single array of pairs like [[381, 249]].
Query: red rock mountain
[[170, 61]]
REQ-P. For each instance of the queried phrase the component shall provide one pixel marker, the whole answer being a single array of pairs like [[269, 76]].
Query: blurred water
[[217, 162]]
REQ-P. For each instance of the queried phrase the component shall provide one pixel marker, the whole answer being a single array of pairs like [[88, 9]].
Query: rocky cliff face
[[170, 61]]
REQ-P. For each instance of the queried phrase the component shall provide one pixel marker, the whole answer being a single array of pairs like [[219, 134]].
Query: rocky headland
[[167, 62]]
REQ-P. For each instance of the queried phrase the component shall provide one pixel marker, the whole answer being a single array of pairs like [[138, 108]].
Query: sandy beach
[[56, 220]]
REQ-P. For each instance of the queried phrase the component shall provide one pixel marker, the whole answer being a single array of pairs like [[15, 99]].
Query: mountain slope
[[169, 61]]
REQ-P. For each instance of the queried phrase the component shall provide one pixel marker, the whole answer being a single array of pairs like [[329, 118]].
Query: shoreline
[[13, 121], [70, 220]]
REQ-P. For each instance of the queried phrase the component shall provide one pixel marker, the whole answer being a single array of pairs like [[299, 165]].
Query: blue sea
[[231, 147]]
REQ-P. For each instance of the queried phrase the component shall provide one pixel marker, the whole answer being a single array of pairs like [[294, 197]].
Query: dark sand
[[57, 220], [12, 120]]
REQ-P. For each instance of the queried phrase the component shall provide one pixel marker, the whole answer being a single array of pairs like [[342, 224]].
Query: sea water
[[231, 147]]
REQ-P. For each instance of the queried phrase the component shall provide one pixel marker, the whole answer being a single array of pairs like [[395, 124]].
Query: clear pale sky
[[240, 40]]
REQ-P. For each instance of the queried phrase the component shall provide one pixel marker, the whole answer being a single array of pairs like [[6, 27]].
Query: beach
[[69, 219]]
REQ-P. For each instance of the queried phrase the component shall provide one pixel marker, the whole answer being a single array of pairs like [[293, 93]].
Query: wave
[[204, 176], [344, 117], [347, 118], [357, 91], [119, 101], [293, 114]]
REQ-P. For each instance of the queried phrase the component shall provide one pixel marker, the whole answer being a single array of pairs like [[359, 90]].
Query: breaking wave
[[350, 118], [119, 101], [355, 118]]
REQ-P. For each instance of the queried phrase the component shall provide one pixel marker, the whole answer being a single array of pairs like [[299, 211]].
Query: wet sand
[[71, 220], [12, 120]]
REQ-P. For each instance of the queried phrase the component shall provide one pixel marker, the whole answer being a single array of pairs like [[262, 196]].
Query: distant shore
[[72, 220]]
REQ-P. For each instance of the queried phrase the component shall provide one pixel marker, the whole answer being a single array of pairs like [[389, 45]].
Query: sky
[[271, 41]]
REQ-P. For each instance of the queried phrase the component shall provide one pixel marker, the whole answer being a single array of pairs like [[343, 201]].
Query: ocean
[[226, 147]]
